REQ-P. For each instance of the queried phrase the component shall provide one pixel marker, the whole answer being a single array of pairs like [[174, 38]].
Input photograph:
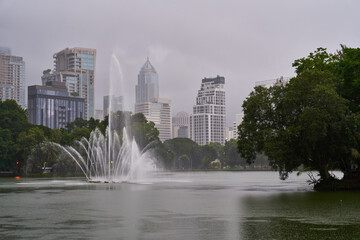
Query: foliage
[[304, 122], [27, 140], [7, 150], [231, 155], [42, 155], [13, 121], [209, 154], [182, 146], [347, 68]]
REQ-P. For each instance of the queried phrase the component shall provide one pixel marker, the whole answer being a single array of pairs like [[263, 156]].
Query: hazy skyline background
[[244, 41]]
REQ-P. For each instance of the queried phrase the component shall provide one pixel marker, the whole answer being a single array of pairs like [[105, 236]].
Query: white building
[[181, 125], [268, 83], [157, 110], [207, 123], [238, 120], [229, 133]]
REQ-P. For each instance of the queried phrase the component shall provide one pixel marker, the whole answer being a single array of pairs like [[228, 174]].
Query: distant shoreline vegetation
[[27, 149]]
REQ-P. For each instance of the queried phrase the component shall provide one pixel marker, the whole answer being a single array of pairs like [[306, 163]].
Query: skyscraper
[[148, 83], [76, 68], [157, 110], [207, 123], [238, 120], [53, 106], [12, 77]]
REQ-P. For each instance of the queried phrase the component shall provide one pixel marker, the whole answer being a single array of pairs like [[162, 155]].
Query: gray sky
[[244, 41]]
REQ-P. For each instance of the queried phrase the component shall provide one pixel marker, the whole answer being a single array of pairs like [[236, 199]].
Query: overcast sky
[[244, 41]]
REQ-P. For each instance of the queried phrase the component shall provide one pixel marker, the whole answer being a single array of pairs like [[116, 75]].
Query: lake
[[177, 205]]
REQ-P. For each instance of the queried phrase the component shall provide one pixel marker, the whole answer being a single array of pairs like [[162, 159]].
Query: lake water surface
[[186, 205]]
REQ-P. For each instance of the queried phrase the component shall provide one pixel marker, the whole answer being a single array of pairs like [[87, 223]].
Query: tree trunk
[[324, 173]]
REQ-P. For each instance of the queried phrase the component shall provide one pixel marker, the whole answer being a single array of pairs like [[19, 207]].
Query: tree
[[77, 123], [209, 154], [184, 146], [27, 140], [219, 150], [184, 162], [79, 133], [347, 68], [44, 154], [305, 122], [7, 150], [13, 118], [231, 155], [144, 134]]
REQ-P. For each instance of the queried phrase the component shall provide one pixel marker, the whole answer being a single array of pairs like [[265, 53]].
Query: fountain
[[111, 158], [107, 159]]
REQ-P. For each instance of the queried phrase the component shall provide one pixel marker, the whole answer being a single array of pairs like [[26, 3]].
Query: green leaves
[[306, 122]]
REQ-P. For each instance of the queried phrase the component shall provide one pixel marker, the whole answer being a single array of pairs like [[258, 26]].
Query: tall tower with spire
[[148, 83], [155, 109]]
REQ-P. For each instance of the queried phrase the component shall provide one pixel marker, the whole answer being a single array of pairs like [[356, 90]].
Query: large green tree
[[181, 147], [13, 121], [304, 122]]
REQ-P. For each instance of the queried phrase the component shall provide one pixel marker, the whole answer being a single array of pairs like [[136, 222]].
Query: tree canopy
[[312, 121]]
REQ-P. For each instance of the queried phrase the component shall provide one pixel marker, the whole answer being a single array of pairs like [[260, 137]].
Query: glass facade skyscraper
[[52, 105], [76, 68], [148, 83], [12, 77]]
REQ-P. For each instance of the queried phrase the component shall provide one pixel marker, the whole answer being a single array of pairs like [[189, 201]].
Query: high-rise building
[[12, 77], [229, 133], [181, 125], [52, 105], [116, 104], [157, 110], [148, 83], [237, 122], [76, 68], [207, 123]]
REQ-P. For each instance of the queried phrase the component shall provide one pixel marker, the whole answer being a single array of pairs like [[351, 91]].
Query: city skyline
[[247, 41], [76, 68]]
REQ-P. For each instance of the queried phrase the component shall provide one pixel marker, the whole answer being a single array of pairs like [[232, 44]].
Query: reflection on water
[[199, 205], [301, 216]]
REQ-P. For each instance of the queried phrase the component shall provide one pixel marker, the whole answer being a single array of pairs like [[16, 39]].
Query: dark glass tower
[[148, 83]]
